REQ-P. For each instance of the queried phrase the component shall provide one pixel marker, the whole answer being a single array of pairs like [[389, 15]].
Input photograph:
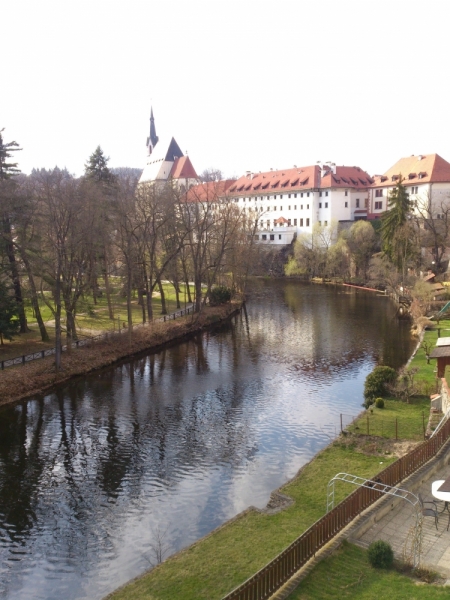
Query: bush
[[220, 294], [380, 555], [376, 384], [379, 403]]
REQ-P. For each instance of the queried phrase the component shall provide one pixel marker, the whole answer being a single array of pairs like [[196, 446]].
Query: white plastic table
[[439, 494]]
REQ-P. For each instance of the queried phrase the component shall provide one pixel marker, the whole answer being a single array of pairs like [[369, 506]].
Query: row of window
[[303, 223], [275, 196]]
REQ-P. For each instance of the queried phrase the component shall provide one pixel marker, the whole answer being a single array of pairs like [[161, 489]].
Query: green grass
[[382, 421], [347, 574], [215, 565], [427, 372], [91, 319]]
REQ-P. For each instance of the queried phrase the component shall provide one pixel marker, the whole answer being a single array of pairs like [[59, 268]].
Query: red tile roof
[[302, 178], [182, 169], [430, 168], [210, 191]]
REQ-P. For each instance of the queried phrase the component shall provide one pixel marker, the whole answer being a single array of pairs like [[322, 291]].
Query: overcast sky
[[240, 84]]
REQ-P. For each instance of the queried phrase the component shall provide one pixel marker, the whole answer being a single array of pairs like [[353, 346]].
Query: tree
[[433, 223], [97, 167], [361, 242], [310, 251], [7, 193], [396, 230], [9, 322], [211, 174]]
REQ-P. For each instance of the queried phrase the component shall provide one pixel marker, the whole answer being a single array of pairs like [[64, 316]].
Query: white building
[[426, 179], [289, 202]]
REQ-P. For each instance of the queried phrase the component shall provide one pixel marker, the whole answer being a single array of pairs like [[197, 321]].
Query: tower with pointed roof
[[152, 139], [165, 160]]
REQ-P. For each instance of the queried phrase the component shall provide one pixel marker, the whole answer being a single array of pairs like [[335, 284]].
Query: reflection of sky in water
[[173, 444]]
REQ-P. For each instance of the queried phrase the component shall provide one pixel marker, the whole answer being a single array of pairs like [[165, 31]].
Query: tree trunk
[[9, 247], [108, 293], [163, 298], [58, 344], [34, 298]]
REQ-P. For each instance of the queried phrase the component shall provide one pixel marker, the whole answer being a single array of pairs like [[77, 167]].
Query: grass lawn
[[91, 320], [347, 574], [382, 421], [215, 565], [427, 372]]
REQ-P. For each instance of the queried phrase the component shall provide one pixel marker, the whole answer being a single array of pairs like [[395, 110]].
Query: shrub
[[379, 403], [376, 383], [220, 294], [380, 555]]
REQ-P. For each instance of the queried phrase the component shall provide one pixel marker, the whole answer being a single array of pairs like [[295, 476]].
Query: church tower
[[166, 161], [152, 139]]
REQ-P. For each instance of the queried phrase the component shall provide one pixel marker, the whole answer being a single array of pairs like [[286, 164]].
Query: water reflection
[[180, 441]]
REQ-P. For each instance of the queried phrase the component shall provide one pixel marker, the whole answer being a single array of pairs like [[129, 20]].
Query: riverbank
[[38, 377], [219, 562]]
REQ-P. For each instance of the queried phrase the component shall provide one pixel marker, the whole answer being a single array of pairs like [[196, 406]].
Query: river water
[[104, 476]]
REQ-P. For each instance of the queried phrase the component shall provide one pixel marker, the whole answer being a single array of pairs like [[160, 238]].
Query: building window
[[357, 202], [261, 223], [289, 195], [289, 208], [320, 204], [366, 202], [326, 204], [320, 223], [295, 195], [414, 190], [307, 207], [326, 193], [379, 193], [279, 237], [346, 192], [307, 222], [320, 194], [307, 194], [295, 207], [289, 222], [301, 195], [346, 205], [295, 222], [272, 237], [378, 205], [301, 207], [268, 223], [264, 236], [256, 237], [301, 222], [274, 208]]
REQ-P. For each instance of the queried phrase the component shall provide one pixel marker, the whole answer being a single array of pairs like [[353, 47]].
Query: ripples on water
[[99, 477]]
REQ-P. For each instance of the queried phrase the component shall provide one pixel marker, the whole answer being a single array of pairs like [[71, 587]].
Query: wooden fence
[[26, 358], [271, 577]]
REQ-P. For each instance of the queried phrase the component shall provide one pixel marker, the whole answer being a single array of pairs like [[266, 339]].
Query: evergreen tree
[[9, 322], [97, 167], [396, 229], [7, 169], [7, 192]]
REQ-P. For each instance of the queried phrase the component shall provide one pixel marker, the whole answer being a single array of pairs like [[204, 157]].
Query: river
[[106, 475]]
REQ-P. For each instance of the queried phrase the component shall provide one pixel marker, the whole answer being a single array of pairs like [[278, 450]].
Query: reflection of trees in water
[[21, 467], [127, 434]]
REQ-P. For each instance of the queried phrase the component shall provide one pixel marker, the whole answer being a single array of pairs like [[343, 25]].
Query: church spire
[[152, 140]]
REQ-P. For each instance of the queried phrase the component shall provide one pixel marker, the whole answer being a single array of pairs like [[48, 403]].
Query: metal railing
[[26, 358], [270, 578]]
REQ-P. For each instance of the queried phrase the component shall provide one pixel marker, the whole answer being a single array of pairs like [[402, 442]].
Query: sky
[[241, 84]]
